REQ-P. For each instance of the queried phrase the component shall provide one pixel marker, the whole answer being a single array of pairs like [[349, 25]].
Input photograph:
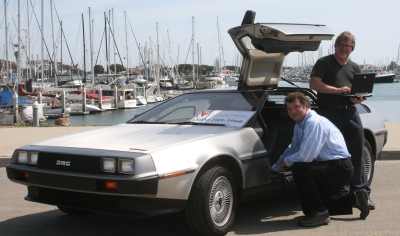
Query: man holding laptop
[[333, 77]]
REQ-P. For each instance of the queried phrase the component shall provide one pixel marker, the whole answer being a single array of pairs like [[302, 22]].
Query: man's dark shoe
[[361, 197], [318, 219], [371, 204]]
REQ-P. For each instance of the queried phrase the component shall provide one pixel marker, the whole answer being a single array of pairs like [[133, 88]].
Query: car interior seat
[[279, 130]]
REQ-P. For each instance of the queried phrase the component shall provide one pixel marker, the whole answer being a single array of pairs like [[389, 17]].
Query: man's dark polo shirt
[[332, 73]]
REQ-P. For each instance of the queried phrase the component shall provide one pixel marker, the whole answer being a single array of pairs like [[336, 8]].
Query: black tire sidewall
[[200, 197], [368, 148]]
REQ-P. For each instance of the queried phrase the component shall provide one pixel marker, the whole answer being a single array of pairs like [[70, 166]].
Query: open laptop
[[362, 85]]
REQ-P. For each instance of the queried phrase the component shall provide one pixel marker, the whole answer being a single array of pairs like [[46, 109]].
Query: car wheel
[[73, 211], [212, 203], [369, 162]]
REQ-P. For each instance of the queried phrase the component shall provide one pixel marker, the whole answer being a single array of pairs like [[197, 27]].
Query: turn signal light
[[111, 185]]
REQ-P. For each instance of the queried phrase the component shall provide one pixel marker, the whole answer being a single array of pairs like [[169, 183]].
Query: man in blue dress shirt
[[321, 165]]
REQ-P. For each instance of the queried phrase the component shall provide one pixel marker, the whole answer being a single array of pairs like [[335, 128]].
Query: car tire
[[212, 203], [368, 162], [73, 211]]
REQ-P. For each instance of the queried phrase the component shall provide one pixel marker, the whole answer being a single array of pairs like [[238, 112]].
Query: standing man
[[332, 77], [319, 160]]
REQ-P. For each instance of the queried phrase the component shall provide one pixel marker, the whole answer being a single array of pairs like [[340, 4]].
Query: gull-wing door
[[264, 47]]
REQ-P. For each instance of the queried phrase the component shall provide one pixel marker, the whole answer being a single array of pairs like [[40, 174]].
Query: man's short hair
[[345, 37], [292, 97]]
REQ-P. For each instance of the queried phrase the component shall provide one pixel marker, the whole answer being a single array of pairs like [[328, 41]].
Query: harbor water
[[385, 101]]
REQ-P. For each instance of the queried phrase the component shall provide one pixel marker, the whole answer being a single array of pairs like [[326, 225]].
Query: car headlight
[[22, 157], [109, 165], [33, 158], [126, 166], [26, 157]]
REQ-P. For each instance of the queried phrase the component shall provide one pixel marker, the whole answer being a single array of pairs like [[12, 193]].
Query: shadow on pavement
[[268, 216], [252, 218], [57, 223]]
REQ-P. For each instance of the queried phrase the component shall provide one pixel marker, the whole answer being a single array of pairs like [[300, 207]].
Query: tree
[[98, 69], [117, 67], [392, 66]]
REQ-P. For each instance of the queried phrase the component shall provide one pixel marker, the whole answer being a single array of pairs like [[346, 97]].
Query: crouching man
[[321, 166]]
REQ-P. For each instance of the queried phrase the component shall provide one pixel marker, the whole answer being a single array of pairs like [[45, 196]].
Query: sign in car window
[[228, 118]]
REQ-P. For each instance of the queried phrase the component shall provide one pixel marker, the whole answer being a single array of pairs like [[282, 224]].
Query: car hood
[[136, 137]]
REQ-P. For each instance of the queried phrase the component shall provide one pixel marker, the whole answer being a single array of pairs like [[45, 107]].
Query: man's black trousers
[[348, 121], [324, 186]]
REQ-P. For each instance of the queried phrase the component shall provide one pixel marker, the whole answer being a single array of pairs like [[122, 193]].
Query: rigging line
[[115, 44], [98, 52], [137, 43], [188, 51], [63, 33], [41, 33]]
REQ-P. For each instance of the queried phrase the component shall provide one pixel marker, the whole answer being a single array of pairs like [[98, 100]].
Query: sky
[[374, 23]]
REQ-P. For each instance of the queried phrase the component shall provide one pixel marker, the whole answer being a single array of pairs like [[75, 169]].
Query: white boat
[[214, 78], [27, 113], [50, 112], [73, 83], [77, 108], [166, 83], [126, 99], [106, 106], [159, 99], [141, 100]]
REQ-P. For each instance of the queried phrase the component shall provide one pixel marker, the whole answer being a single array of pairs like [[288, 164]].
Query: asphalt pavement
[[275, 216]]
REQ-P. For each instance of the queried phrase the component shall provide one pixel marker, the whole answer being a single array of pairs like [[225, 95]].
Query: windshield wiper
[[196, 123]]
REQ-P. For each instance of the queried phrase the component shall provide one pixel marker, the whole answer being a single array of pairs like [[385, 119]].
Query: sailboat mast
[[84, 49], [28, 51], [106, 43], [91, 44], [19, 42], [126, 45], [6, 37], [193, 45], [42, 41], [61, 47], [198, 60], [220, 48], [158, 62], [398, 55], [54, 43]]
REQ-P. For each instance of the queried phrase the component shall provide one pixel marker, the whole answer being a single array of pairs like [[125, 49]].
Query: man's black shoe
[[318, 219], [371, 204], [361, 197]]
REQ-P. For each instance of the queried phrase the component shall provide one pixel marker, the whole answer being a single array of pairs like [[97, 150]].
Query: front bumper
[[89, 192], [139, 206]]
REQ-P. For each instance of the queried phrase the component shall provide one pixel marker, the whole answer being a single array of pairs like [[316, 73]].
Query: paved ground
[[19, 217], [14, 137]]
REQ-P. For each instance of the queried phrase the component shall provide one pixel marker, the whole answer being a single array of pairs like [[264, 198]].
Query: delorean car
[[199, 152]]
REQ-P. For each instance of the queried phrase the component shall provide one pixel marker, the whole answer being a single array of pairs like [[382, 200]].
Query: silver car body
[[174, 155]]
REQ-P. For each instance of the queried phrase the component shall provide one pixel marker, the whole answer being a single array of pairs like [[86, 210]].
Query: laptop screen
[[363, 83]]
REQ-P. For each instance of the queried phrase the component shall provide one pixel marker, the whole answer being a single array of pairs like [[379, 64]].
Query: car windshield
[[231, 109]]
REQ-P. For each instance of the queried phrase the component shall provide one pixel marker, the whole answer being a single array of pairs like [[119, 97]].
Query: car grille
[[69, 163]]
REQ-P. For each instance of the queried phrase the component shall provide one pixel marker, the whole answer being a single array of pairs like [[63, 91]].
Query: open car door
[[265, 45]]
